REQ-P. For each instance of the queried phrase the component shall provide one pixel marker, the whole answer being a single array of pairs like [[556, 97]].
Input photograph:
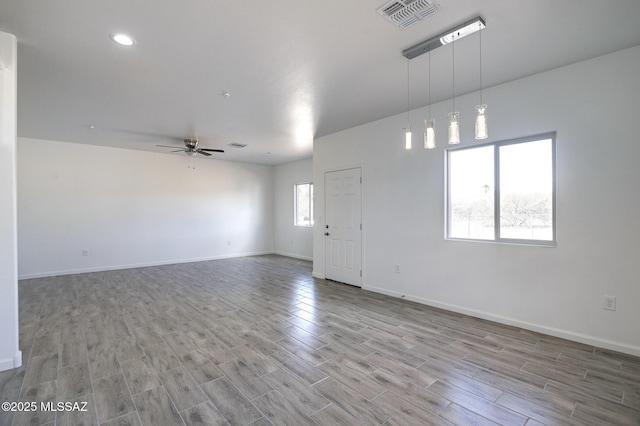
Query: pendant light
[[407, 130], [481, 130], [454, 128], [449, 37], [429, 123]]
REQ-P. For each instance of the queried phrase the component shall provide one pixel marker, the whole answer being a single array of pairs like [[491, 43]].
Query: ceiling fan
[[191, 148]]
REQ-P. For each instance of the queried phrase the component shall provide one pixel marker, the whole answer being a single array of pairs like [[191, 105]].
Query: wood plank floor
[[258, 341]]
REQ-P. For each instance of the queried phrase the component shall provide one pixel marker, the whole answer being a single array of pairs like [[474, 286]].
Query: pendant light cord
[[429, 86], [480, 38], [453, 72], [408, 89]]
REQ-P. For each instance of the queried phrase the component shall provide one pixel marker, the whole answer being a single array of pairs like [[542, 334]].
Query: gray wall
[[133, 208], [290, 240]]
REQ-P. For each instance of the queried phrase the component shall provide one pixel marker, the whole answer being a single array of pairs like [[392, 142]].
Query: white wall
[[133, 208], [594, 108], [10, 355], [290, 240]]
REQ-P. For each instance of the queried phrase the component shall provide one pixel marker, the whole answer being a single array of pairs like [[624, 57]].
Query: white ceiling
[[295, 69]]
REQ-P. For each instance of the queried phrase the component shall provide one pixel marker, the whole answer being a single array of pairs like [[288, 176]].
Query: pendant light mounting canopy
[[453, 34]]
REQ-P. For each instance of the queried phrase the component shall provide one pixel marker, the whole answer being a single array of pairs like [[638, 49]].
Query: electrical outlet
[[85, 252], [229, 243], [609, 303], [397, 269]]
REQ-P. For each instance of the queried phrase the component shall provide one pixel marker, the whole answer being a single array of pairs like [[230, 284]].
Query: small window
[[303, 214], [503, 191]]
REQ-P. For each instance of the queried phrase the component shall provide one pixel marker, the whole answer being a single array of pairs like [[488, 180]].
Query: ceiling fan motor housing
[[191, 143]]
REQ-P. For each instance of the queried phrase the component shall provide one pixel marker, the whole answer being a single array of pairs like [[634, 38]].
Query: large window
[[503, 191], [303, 214]]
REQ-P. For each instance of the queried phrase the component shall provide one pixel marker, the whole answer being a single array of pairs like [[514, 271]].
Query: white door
[[343, 226]]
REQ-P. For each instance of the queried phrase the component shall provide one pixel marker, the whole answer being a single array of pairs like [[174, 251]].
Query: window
[[303, 214], [503, 191]]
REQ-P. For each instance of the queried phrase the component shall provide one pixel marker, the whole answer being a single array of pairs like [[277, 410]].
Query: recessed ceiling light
[[122, 39]]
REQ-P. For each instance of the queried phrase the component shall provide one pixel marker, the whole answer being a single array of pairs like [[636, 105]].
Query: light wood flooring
[[258, 341]]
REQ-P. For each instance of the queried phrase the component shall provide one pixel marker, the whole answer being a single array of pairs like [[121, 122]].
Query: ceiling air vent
[[403, 13], [237, 145]]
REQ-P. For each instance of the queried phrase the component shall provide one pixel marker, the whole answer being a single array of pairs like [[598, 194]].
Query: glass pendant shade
[[454, 129], [482, 131], [429, 134], [407, 137]]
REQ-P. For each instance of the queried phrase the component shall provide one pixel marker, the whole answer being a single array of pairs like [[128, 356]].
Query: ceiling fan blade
[[167, 146], [179, 150], [149, 136], [211, 150], [199, 151]]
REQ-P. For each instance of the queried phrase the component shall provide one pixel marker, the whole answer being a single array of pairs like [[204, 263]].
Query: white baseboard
[[295, 256], [9, 363], [318, 275], [135, 265], [556, 332]]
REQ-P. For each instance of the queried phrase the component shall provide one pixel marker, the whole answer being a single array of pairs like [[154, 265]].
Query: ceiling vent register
[[403, 13], [237, 145]]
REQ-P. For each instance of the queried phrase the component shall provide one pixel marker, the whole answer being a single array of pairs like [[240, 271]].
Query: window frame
[[295, 205], [496, 195]]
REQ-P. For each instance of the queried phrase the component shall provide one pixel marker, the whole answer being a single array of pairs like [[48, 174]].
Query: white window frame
[[496, 161], [295, 205]]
